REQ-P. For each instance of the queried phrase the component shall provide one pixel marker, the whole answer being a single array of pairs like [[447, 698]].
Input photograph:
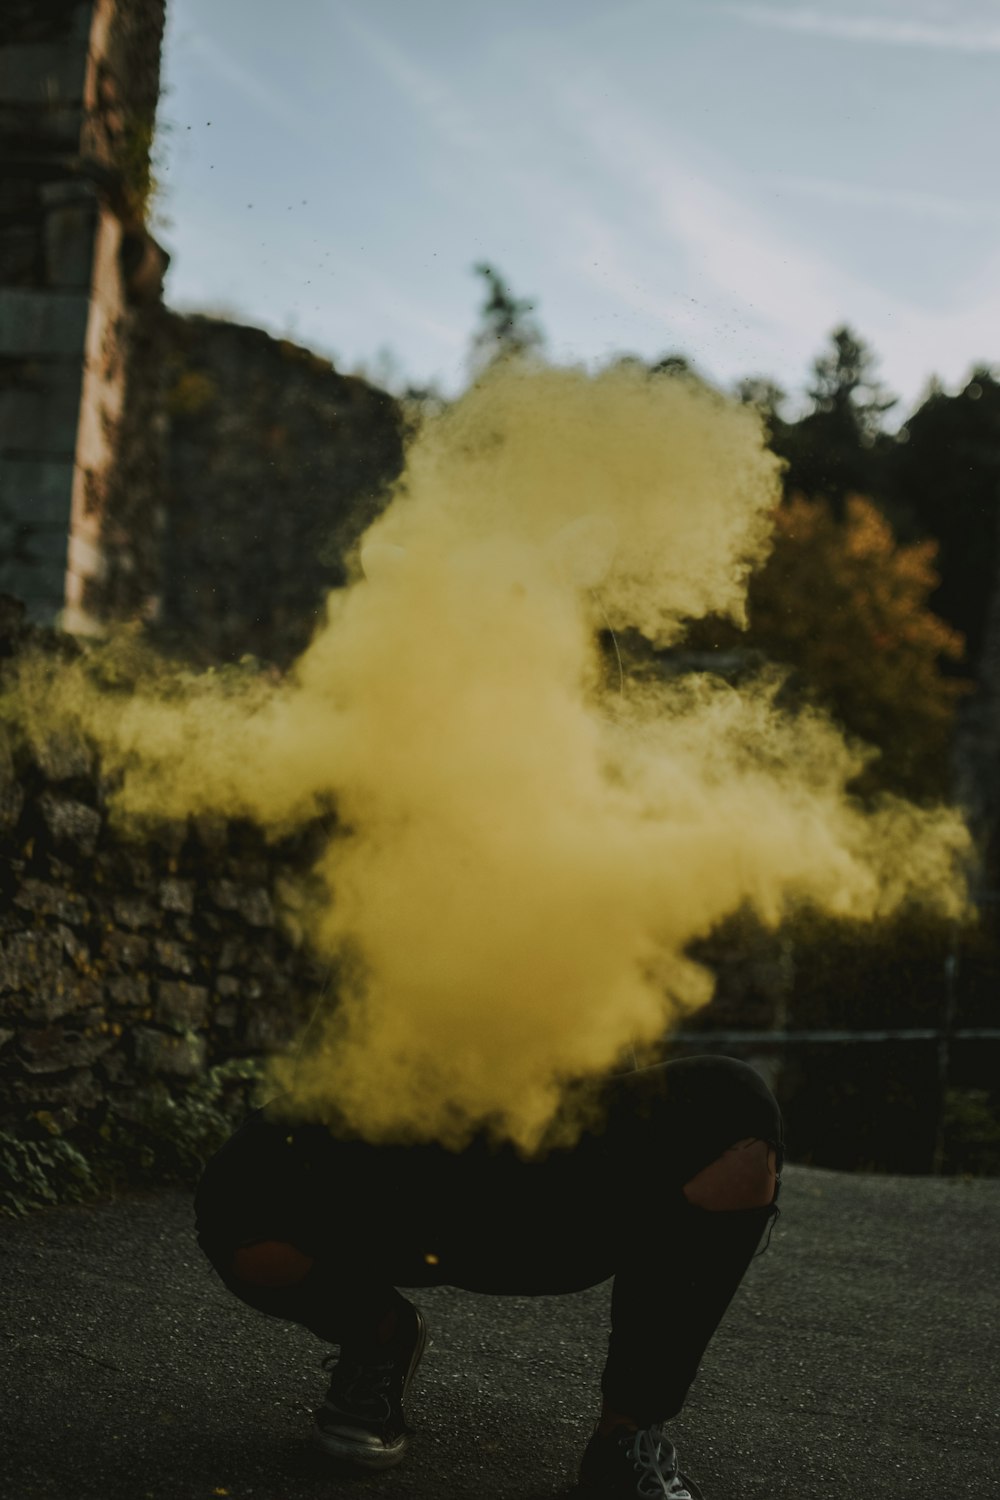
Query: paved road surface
[[860, 1358]]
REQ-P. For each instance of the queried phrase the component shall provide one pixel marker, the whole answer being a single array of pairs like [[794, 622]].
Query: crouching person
[[670, 1196]]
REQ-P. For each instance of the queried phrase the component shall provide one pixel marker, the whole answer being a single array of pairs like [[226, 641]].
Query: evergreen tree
[[947, 474], [838, 447], [844, 385], [507, 326]]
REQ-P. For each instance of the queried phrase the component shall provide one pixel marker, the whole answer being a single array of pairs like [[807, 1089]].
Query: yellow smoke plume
[[525, 854]]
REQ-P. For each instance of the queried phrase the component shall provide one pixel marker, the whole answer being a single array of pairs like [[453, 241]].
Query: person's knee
[[271, 1263], [745, 1176], [728, 1097]]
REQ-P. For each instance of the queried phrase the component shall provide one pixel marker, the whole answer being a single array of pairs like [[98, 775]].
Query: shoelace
[[360, 1389], [655, 1461]]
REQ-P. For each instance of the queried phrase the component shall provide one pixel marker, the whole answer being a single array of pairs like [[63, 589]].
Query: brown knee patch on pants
[[271, 1263]]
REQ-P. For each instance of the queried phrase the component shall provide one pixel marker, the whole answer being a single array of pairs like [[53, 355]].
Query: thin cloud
[[973, 36], [725, 244], [414, 314], [251, 86], [480, 150], [749, 287], [920, 205], [421, 89]]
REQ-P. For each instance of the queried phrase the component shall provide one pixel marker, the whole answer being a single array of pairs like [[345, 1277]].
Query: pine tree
[[507, 326], [838, 448]]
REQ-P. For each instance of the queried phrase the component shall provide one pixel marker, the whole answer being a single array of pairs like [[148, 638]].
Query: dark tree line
[[936, 477]]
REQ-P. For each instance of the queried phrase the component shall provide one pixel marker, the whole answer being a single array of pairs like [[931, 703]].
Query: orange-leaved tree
[[845, 605]]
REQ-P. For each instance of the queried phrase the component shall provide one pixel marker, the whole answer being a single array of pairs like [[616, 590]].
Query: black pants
[[378, 1217]]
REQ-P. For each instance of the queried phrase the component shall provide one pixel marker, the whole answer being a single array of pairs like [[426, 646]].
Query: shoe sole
[[593, 1487], [589, 1487], [376, 1456]]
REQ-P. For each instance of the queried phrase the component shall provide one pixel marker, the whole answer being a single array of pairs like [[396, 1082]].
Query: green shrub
[[41, 1174], [165, 1140], [971, 1124]]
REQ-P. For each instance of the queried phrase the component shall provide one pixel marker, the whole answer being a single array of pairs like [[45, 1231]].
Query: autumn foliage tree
[[844, 605]]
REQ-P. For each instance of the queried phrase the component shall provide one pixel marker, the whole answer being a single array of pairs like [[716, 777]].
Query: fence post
[[944, 1053]]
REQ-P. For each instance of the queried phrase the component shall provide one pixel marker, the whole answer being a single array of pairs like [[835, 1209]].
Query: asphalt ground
[[860, 1358]]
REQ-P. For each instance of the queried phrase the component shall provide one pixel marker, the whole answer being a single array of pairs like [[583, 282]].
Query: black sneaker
[[361, 1421], [634, 1466]]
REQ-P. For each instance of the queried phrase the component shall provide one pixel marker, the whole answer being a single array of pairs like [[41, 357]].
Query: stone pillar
[[47, 224], [78, 88]]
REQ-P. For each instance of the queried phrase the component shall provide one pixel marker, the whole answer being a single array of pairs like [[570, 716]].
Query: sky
[[726, 180]]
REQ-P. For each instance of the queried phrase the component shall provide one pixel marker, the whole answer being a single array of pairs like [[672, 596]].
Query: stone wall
[[80, 281], [275, 464], [130, 971]]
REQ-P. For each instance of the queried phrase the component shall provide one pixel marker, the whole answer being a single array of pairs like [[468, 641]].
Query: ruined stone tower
[[80, 314]]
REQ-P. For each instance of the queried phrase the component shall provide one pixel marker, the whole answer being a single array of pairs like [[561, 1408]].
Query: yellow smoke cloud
[[525, 855]]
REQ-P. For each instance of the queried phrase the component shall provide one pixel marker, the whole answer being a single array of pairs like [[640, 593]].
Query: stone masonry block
[[266, 1031], [43, 74], [42, 322], [37, 490], [225, 894], [71, 210], [134, 912], [18, 200], [53, 1000], [34, 580], [73, 945], [30, 961], [62, 756], [177, 895], [129, 992], [46, 900], [173, 956], [125, 950], [18, 253], [51, 128], [71, 824], [78, 1089], [232, 953], [157, 1052], [40, 414], [115, 1066], [252, 903], [57, 1048], [180, 1005]]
